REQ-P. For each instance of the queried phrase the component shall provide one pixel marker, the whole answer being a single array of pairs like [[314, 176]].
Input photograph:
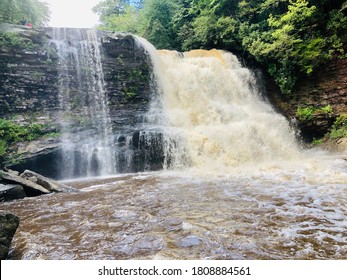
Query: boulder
[[30, 188], [8, 226], [48, 184], [11, 192]]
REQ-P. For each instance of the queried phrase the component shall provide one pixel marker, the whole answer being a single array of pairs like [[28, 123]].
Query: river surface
[[295, 210]]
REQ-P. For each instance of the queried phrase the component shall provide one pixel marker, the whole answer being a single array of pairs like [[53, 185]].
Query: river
[[297, 213]]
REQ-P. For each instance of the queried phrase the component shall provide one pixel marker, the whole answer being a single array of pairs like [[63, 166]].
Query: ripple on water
[[178, 216]]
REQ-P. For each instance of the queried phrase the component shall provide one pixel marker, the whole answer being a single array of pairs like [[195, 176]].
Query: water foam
[[211, 107]]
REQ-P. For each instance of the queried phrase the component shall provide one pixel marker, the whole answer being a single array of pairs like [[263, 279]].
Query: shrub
[[339, 129], [305, 113], [11, 133]]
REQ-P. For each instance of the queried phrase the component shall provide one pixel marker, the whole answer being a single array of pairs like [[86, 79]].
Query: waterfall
[[87, 132], [205, 113], [213, 116]]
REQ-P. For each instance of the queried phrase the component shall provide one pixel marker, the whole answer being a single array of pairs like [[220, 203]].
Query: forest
[[289, 38]]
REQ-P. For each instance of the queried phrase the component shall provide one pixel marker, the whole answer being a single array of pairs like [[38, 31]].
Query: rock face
[[28, 74], [326, 86], [31, 91], [8, 226]]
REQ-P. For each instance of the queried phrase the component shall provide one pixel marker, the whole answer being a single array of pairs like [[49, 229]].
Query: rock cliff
[[327, 86], [31, 92]]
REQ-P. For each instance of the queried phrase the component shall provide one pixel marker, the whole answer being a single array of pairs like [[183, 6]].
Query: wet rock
[[189, 241], [325, 86], [35, 184], [147, 245], [11, 192], [48, 184], [30, 188], [317, 127], [8, 226], [29, 86], [173, 224]]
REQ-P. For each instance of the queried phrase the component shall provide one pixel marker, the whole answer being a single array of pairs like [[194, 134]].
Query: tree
[[107, 8], [12, 11], [288, 37], [157, 23], [119, 15]]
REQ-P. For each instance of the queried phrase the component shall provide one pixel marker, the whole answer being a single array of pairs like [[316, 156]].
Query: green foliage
[[307, 113], [317, 142], [327, 110], [11, 133], [14, 40], [3, 148], [289, 38], [34, 11], [339, 129], [117, 15], [156, 23]]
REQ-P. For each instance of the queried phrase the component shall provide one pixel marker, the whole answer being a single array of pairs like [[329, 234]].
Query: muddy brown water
[[170, 215]]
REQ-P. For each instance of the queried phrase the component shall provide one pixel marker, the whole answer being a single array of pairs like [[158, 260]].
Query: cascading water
[[212, 116], [83, 104]]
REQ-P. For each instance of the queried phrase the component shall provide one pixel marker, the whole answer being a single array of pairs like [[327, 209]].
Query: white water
[[213, 117], [83, 100], [216, 122]]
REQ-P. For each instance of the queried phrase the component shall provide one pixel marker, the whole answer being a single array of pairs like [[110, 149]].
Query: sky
[[72, 13]]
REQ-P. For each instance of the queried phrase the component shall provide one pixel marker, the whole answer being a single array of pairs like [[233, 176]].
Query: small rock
[[189, 241]]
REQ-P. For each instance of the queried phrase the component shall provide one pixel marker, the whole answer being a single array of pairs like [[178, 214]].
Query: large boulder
[[31, 188], [35, 184], [11, 192], [8, 226], [48, 184]]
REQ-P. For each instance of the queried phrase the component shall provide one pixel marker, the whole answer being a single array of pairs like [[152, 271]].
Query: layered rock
[[327, 86], [30, 82], [33, 183]]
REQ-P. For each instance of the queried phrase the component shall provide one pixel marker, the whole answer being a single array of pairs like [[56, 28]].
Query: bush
[[305, 113], [12, 133], [3, 148], [339, 129]]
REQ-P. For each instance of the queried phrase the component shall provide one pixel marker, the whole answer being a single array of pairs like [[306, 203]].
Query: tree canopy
[[288, 37], [34, 11]]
